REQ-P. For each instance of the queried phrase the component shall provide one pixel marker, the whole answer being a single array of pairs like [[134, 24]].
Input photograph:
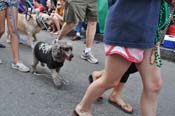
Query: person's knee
[[54, 17], [155, 86]]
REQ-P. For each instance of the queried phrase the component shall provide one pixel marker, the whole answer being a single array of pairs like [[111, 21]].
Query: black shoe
[[2, 46], [90, 79]]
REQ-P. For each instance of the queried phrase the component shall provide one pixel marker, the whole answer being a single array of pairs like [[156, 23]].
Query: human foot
[[78, 112], [121, 104]]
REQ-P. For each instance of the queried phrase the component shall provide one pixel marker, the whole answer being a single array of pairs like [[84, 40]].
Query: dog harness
[[43, 53]]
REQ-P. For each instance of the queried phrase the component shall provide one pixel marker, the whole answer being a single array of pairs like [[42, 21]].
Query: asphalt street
[[25, 94]]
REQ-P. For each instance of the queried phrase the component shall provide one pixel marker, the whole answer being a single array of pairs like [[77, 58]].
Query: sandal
[[121, 107], [99, 99]]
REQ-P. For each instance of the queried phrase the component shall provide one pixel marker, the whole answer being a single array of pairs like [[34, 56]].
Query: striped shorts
[[131, 54]]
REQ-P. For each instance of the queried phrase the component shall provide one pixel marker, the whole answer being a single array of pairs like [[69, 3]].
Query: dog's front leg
[[34, 37], [56, 78], [63, 81], [30, 36]]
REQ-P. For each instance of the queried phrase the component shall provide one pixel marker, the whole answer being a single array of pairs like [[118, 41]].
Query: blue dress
[[132, 23]]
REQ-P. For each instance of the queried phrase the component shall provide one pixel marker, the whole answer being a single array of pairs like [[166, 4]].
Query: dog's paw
[[35, 72], [64, 82], [57, 82]]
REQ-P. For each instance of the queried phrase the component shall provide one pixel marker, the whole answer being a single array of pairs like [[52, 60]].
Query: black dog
[[54, 56]]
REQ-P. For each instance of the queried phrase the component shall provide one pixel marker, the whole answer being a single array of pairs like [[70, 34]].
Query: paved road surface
[[24, 94]]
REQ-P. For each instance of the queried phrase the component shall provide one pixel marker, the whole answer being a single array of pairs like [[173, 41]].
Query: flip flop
[[99, 99], [121, 107]]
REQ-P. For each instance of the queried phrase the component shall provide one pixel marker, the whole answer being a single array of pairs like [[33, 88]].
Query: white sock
[[87, 50], [78, 34]]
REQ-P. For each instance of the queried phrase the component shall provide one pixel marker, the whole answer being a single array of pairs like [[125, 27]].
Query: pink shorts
[[131, 54]]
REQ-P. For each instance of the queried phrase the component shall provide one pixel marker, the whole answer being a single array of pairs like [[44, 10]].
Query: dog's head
[[62, 50], [44, 20]]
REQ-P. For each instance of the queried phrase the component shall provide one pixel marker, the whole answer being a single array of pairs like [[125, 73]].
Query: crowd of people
[[129, 44]]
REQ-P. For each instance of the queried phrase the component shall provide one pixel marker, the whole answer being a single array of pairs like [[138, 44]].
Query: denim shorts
[[8, 3]]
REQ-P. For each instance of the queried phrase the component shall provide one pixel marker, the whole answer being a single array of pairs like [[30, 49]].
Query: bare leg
[[90, 33], [56, 78], [2, 25], [57, 24], [2, 22], [110, 76], [67, 27], [115, 95], [152, 82], [13, 36]]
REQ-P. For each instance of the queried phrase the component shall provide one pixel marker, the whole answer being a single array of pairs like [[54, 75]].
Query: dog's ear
[[57, 53]]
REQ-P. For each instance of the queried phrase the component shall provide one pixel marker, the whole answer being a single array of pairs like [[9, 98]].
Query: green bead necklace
[[164, 21]]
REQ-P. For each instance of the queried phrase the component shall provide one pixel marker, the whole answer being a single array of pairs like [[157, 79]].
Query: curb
[[168, 54]]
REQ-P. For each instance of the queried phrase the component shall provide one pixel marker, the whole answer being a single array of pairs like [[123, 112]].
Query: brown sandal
[[121, 107]]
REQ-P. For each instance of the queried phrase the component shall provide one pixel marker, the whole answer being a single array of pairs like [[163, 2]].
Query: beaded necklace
[[164, 20]]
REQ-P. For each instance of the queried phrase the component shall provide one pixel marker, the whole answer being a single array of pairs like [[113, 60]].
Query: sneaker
[[21, 67], [89, 57]]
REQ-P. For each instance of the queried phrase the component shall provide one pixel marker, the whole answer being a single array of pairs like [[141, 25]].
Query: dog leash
[[28, 3], [156, 56]]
